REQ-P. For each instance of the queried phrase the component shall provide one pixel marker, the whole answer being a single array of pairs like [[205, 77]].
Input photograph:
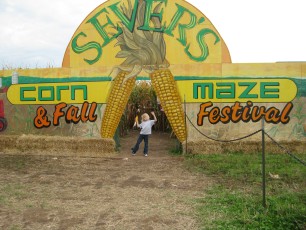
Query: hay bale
[[210, 147], [57, 145]]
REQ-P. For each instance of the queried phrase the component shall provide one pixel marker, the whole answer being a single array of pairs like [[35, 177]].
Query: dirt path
[[121, 192]]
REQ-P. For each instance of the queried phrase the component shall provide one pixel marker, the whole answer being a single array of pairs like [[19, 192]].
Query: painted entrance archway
[[150, 36], [189, 35]]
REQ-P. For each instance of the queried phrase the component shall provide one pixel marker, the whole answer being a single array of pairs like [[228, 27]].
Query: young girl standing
[[146, 130]]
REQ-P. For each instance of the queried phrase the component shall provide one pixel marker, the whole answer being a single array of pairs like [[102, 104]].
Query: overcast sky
[[35, 33]]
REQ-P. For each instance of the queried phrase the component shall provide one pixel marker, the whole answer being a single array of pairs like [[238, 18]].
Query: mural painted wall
[[175, 46], [231, 99]]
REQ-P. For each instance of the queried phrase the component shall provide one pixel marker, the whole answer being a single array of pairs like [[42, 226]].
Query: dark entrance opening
[[143, 99]]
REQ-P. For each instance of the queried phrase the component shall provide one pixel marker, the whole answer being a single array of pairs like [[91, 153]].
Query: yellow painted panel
[[197, 69], [44, 73], [304, 70], [232, 90], [262, 70], [188, 36], [70, 93], [226, 57], [92, 72]]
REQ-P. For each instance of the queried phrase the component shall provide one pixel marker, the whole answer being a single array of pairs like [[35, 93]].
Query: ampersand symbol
[[41, 119]]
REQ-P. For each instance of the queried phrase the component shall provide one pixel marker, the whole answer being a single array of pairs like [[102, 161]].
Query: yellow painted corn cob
[[166, 89], [116, 102]]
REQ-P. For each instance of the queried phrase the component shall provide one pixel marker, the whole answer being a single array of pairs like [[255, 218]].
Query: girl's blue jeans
[[146, 143]]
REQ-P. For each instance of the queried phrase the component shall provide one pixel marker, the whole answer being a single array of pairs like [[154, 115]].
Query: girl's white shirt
[[146, 127]]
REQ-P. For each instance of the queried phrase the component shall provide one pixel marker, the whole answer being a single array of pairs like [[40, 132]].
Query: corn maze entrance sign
[[175, 46]]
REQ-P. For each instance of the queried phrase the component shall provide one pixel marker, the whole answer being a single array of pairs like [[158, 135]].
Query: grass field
[[236, 200]]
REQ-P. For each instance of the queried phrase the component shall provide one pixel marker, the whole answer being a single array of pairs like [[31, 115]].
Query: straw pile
[[56, 145]]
